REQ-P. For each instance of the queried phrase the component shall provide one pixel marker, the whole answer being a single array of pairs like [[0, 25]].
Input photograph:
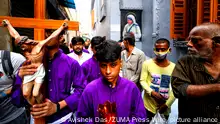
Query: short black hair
[[119, 41], [77, 39], [108, 51], [96, 41], [162, 40], [130, 38]]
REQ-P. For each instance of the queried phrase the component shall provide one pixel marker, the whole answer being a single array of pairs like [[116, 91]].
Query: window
[[185, 14]]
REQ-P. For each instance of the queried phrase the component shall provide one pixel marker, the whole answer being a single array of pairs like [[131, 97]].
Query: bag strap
[[6, 63], [129, 30]]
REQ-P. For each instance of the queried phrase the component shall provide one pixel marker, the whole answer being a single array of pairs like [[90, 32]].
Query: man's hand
[[158, 98], [163, 108], [5, 23], [27, 69], [45, 109]]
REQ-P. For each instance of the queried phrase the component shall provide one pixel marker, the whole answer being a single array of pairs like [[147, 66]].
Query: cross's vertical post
[[39, 13], [39, 34], [200, 11]]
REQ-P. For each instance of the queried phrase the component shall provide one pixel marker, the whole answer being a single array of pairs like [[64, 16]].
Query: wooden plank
[[172, 18], [93, 18], [39, 9], [199, 12], [214, 11], [39, 23], [39, 34], [178, 19], [39, 13]]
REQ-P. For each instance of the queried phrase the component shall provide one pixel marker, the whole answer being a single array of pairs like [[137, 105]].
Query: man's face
[[110, 70], [87, 43], [26, 49], [78, 47], [53, 44], [200, 44], [161, 49], [126, 45], [61, 39]]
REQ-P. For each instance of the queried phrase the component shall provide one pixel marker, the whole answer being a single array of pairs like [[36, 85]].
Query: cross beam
[[39, 23]]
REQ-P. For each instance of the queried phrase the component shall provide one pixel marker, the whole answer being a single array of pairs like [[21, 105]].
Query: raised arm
[[11, 30], [54, 36]]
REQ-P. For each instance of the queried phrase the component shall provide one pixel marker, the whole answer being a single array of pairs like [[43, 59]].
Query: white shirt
[[82, 58], [9, 112]]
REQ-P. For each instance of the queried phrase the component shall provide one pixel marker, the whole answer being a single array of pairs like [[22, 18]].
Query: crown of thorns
[[23, 40]]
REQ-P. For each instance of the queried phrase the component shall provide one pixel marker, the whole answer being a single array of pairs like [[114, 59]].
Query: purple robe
[[129, 103], [85, 50], [91, 69]]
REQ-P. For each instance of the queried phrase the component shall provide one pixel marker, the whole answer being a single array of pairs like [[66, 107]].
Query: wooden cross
[[39, 23]]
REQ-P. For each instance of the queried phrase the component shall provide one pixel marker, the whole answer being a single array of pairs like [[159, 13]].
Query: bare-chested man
[[33, 51]]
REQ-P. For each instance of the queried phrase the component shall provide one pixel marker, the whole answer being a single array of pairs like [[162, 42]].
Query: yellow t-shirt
[[155, 78]]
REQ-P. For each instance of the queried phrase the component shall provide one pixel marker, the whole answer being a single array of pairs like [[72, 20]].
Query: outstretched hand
[[5, 23], [65, 25]]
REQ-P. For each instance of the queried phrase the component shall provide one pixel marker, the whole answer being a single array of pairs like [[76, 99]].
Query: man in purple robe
[[111, 98], [90, 67], [64, 86]]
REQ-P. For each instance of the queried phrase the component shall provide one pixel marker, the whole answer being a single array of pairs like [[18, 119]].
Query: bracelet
[[58, 107]]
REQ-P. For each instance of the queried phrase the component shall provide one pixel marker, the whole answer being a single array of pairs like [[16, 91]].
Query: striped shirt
[[190, 70]]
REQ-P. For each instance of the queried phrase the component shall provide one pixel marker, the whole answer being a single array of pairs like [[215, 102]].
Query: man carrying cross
[[60, 100]]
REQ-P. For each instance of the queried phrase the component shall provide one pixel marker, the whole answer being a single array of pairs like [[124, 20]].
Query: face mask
[[161, 55]]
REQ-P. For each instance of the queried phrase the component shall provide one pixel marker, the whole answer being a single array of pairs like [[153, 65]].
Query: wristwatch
[[58, 107]]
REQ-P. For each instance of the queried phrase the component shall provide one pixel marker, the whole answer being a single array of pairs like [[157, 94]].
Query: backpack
[[6, 63]]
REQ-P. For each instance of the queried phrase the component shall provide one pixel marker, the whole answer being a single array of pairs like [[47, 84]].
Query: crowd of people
[[103, 80]]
